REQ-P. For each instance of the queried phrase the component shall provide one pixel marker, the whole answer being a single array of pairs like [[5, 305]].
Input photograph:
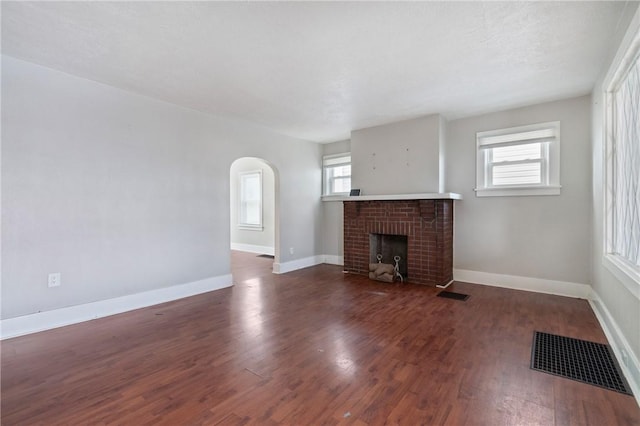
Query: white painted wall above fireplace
[[399, 158]]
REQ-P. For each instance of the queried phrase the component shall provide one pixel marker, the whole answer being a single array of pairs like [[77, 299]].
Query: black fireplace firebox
[[389, 246]]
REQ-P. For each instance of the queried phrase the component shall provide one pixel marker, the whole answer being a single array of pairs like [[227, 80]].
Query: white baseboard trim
[[619, 344], [446, 285], [40, 321], [251, 248], [283, 268], [538, 285], [333, 259]]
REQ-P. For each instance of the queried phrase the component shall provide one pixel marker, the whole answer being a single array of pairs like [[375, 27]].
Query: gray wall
[[264, 237], [397, 158], [623, 306], [544, 237], [123, 194], [339, 147]]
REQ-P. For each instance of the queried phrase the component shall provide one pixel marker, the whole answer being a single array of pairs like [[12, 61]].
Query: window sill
[[520, 191], [251, 227], [625, 273]]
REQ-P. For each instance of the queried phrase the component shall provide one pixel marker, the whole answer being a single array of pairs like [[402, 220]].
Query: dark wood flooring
[[314, 346]]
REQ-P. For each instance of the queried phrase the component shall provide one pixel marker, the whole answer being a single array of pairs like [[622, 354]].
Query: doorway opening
[[253, 214]]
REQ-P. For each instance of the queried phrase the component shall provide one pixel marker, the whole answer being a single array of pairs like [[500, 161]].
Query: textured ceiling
[[319, 70]]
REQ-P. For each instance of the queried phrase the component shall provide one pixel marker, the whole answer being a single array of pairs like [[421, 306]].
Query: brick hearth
[[428, 225]]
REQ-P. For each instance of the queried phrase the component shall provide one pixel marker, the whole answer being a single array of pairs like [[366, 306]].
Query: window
[[519, 161], [336, 170], [250, 200], [622, 165]]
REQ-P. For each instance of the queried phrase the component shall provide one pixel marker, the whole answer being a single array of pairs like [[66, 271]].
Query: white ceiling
[[319, 70]]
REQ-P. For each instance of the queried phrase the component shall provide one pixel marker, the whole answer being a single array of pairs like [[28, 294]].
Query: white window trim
[[551, 166], [249, 226], [626, 273], [325, 184]]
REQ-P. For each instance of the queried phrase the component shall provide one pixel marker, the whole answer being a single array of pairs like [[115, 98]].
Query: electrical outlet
[[290, 250], [54, 279], [625, 358]]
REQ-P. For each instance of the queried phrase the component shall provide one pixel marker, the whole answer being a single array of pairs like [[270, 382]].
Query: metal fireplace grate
[[580, 360]]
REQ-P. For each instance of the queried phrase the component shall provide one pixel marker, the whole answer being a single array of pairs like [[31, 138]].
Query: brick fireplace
[[427, 224]]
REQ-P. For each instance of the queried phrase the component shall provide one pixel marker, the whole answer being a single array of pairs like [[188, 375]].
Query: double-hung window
[[521, 160], [622, 168], [336, 170], [250, 200]]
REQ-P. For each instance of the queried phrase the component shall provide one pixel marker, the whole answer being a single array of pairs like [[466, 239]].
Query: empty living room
[[320, 213]]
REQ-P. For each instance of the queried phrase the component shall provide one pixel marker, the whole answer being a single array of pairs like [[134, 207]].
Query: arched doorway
[[254, 226]]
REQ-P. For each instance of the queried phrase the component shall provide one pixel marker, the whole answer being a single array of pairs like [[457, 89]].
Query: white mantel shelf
[[423, 196]]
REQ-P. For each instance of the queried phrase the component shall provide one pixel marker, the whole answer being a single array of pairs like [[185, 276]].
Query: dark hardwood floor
[[314, 346]]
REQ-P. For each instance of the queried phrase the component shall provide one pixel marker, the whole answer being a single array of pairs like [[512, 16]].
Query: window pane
[[336, 175], [251, 187], [516, 174], [251, 199], [626, 186], [252, 213], [342, 185], [342, 171], [531, 151], [520, 161]]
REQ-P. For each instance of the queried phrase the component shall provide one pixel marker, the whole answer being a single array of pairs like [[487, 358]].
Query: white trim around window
[[250, 201], [621, 158], [336, 172], [518, 161]]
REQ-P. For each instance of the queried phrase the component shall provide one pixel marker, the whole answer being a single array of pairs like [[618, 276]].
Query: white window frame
[[547, 133], [242, 202], [331, 161], [627, 273]]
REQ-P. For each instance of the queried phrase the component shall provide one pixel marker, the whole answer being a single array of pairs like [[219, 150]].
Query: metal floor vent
[[453, 295], [580, 360]]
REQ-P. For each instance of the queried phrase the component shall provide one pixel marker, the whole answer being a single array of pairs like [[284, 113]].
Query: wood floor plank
[[313, 346]]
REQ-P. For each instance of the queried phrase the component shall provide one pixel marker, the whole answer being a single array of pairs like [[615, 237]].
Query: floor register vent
[[580, 360]]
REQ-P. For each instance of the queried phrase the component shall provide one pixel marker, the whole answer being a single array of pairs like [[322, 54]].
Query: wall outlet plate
[[54, 279]]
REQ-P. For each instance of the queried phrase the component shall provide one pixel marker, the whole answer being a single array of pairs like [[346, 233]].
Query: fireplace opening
[[389, 246]]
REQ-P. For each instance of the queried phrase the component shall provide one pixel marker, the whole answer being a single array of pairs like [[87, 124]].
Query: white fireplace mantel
[[422, 196]]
